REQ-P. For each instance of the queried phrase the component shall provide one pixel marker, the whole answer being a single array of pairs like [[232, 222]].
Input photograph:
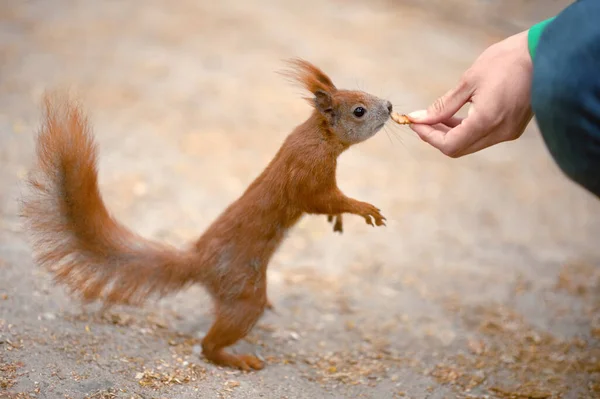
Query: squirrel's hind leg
[[233, 321]]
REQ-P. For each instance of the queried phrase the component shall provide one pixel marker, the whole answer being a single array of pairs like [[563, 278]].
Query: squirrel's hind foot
[[242, 362]]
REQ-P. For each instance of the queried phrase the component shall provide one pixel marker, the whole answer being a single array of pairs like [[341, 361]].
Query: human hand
[[498, 87]]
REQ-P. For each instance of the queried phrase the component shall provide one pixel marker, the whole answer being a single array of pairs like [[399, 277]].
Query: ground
[[483, 284]]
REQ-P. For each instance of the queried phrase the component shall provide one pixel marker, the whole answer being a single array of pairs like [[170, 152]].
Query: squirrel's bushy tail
[[71, 231]]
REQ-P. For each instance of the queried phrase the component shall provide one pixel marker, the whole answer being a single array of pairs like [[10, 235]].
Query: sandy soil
[[484, 283]]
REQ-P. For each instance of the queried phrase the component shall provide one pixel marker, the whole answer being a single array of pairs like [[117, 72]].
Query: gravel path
[[484, 284]]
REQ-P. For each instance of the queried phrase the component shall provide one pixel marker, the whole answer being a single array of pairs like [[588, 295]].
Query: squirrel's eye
[[359, 112]]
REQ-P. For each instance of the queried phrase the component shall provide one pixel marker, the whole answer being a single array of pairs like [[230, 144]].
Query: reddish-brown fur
[[74, 236]]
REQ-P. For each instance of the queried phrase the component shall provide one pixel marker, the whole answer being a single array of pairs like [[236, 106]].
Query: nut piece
[[400, 119]]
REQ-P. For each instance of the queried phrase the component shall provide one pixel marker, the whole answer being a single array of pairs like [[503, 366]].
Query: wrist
[[520, 49]]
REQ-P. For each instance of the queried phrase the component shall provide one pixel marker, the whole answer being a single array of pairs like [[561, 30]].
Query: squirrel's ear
[[324, 103]]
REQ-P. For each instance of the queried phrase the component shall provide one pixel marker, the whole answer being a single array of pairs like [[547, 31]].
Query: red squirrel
[[97, 258]]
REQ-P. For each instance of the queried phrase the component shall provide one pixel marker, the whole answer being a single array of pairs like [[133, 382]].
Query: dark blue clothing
[[565, 93]]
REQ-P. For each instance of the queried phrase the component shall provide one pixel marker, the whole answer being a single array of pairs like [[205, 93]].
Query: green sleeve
[[535, 32]]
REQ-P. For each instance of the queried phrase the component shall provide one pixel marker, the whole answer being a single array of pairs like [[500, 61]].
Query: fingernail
[[416, 115]]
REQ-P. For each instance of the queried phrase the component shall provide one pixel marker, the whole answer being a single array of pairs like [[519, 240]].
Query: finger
[[481, 144], [454, 141], [444, 107], [426, 131], [430, 134], [453, 121], [463, 136], [441, 127], [480, 132], [492, 138]]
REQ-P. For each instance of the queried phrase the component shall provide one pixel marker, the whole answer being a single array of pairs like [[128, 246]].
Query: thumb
[[444, 107]]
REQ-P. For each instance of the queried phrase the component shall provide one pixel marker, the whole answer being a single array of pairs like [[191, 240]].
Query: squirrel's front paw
[[371, 213], [337, 225]]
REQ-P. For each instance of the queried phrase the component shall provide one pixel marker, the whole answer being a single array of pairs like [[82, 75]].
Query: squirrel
[[83, 247]]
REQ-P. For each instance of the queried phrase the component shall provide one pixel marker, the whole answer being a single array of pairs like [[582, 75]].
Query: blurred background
[[483, 284]]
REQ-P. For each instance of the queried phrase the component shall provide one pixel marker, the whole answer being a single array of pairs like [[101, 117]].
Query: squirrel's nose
[[389, 107]]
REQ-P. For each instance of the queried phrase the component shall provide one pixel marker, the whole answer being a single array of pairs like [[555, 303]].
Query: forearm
[[330, 203], [336, 203]]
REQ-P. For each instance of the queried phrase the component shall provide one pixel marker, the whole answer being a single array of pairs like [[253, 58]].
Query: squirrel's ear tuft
[[309, 76]]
